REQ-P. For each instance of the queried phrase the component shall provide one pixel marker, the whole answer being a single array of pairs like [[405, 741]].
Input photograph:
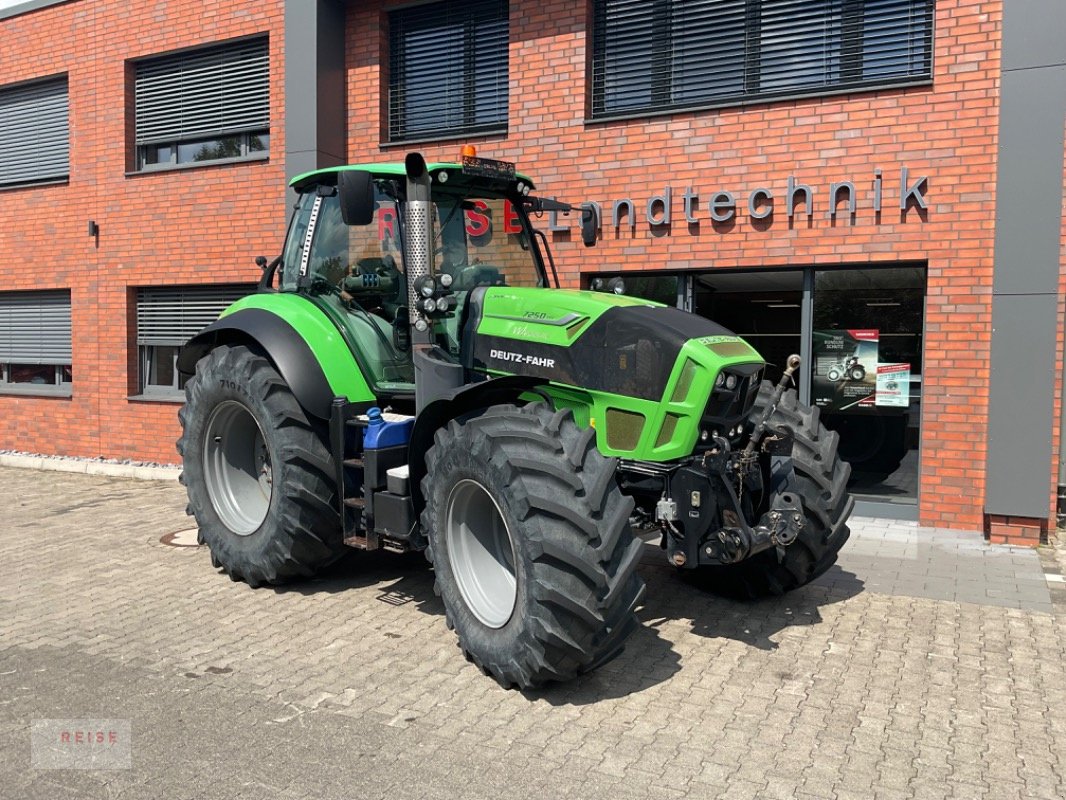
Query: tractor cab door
[[354, 274]]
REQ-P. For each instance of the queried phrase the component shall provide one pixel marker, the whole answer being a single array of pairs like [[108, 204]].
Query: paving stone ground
[[925, 664]]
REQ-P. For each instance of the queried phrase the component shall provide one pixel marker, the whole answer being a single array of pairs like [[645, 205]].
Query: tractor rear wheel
[[820, 481], [530, 543], [257, 472]]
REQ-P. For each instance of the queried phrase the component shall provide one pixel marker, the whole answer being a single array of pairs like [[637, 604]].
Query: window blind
[[203, 93], [35, 327], [448, 68], [172, 315], [34, 132], [667, 54]]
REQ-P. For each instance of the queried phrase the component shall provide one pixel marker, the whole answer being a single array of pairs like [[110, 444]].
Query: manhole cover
[[186, 538]]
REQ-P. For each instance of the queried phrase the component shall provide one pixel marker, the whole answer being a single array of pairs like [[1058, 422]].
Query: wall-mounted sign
[[794, 199]]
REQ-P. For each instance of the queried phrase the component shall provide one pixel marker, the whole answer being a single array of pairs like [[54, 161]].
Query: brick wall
[[206, 224], [202, 225], [946, 131]]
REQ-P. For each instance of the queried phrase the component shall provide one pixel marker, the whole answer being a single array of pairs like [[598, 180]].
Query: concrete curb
[[88, 467]]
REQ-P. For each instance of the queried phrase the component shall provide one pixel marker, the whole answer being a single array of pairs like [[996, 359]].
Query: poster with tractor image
[[845, 369]]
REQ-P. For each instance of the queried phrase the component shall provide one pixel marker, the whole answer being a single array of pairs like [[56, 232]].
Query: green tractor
[[415, 381]]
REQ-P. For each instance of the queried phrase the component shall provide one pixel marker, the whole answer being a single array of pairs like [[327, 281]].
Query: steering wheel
[[320, 285]]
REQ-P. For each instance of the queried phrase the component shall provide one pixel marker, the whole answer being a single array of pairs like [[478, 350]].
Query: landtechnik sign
[[793, 199]]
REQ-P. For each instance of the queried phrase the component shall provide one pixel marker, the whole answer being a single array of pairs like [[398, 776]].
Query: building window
[[168, 317], [35, 338], [448, 69], [671, 54], [204, 106], [34, 133]]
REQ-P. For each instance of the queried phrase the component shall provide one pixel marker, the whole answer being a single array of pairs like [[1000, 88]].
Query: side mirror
[[590, 223], [356, 191]]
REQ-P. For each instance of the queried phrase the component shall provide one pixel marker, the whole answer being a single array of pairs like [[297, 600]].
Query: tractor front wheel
[[257, 472], [530, 543]]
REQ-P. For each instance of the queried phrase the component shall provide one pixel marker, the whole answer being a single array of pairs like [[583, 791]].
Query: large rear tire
[[821, 479], [530, 543], [257, 472]]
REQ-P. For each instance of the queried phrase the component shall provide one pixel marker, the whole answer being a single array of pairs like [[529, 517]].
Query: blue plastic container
[[379, 433]]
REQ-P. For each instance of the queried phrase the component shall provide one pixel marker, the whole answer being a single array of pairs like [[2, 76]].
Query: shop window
[[35, 343], [866, 373], [859, 332], [167, 317], [448, 69], [34, 133], [665, 55], [204, 106]]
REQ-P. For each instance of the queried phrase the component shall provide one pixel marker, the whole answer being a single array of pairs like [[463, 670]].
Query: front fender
[[461, 401]]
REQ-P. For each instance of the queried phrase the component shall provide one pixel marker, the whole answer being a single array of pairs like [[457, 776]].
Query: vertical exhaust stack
[[418, 240], [436, 373]]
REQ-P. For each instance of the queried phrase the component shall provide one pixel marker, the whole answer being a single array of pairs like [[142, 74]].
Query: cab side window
[[294, 242]]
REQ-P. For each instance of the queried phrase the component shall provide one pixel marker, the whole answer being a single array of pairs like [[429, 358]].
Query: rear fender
[[314, 368]]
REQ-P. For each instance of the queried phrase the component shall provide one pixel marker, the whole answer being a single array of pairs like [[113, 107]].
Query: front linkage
[[706, 503]]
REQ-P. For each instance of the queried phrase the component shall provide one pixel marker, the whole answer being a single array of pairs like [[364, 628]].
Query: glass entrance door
[[866, 373]]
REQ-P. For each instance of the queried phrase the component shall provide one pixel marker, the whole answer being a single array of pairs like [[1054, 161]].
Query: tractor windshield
[[483, 242]]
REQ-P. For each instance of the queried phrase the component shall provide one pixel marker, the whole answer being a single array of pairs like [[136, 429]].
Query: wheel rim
[[237, 468], [481, 553]]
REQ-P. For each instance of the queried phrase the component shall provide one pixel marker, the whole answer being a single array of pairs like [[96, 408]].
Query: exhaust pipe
[[418, 240], [436, 373]]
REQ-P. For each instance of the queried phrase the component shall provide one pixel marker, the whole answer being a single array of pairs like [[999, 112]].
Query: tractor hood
[[600, 342]]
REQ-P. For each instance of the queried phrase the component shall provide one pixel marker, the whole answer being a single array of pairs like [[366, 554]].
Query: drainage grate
[[185, 538]]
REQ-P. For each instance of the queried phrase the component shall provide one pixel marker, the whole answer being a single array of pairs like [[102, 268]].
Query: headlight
[[428, 287], [719, 380], [731, 382], [445, 280]]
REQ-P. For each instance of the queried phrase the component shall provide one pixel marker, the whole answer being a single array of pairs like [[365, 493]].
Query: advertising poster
[[845, 369], [894, 385]]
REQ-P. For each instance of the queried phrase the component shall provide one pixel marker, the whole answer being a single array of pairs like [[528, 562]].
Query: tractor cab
[[359, 273]]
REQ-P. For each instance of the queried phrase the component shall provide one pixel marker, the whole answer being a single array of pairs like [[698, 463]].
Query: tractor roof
[[396, 170]]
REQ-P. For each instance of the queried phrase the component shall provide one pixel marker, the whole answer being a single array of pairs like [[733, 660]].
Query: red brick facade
[[189, 226], [205, 225]]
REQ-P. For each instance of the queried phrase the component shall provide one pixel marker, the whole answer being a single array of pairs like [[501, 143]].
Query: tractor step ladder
[[347, 422]]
